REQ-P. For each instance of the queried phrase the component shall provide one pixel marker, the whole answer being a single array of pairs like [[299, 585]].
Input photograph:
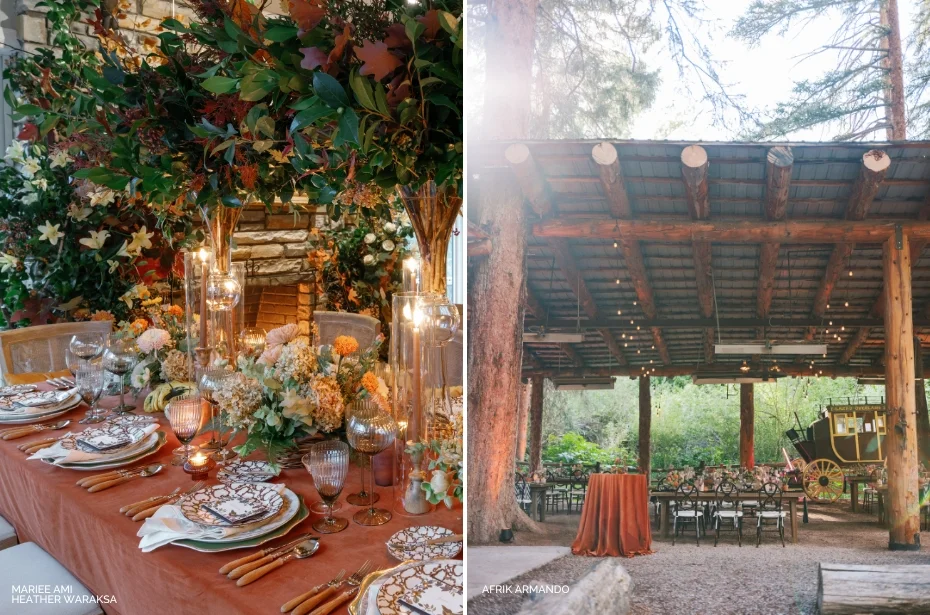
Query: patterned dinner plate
[[434, 587], [22, 418], [136, 420], [17, 389], [150, 446], [239, 471], [247, 543], [36, 402], [107, 439], [420, 534], [292, 504], [232, 504]]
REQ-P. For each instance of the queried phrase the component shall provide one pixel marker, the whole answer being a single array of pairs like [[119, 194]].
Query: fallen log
[[848, 589]]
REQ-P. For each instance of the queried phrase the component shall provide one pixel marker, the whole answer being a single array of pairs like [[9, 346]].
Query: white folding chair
[[29, 565]]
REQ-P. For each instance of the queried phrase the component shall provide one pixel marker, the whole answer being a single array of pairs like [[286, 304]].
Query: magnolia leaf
[[313, 57], [307, 13], [265, 125], [225, 144], [376, 59], [348, 128], [449, 22], [220, 85], [309, 116], [257, 85], [329, 90], [280, 34], [443, 101], [362, 90], [261, 146]]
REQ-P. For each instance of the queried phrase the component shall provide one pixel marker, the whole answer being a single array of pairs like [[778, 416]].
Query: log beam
[[536, 416], [731, 369], [569, 351], [645, 424], [746, 426], [621, 322], [529, 178], [605, 156], [739, 232], [780, 163], [694, 174], [875, 164], [902, 505]]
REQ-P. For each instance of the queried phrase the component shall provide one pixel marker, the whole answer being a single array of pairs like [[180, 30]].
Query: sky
[[764, 74]]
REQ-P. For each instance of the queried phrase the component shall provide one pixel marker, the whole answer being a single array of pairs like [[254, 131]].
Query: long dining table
[[664, 497], [88, 535]]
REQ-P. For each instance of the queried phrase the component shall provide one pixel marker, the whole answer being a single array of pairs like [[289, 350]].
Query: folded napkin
[[59, 454], [169, 524], [16, 409]]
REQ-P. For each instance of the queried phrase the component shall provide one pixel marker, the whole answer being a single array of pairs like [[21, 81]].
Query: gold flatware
[[148, 512], [90, 481], [292, 604], [334, 604], [300, 551], [143, 504], [151, 470], [432, 541], [264, 556], [314, 601], [21, 432]]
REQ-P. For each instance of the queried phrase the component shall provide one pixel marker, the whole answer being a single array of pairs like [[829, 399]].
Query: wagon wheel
[[823, 480], [799, 464]]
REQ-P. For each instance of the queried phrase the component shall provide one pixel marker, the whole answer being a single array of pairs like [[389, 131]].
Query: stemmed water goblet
[[362, 498], [119, 358], [369, 432], [211, 380], [185, 414], [328, 464], [87, 346], [88, 379]]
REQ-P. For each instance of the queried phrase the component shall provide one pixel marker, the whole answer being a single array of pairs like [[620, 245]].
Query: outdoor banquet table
[[87, 534], [854, 482], [615, 517], [664, 497]]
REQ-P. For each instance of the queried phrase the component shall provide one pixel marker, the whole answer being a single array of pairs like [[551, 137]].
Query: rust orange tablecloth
[[87, 534], [615, 517]]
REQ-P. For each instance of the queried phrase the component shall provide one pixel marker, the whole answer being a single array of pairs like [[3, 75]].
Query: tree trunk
[[495, 337], [645, 424], [522, 417], [747, 412], [894, 64], [901, 439], [536, 415], [923, 415]]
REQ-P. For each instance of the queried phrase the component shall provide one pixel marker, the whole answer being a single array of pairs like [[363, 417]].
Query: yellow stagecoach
[[845, 436]]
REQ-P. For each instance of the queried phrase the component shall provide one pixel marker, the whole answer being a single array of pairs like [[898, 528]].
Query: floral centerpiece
[[447, 472], [295, 389], [164, 364], [357, 266]]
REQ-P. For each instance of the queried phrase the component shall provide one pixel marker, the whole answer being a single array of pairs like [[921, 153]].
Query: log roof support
[[605, 155], [779, 165], [694, 167]]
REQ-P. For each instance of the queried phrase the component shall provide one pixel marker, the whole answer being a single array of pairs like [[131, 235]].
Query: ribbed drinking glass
[[328, 464]]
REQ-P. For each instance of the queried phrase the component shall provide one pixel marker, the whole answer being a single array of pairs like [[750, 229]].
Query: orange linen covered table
[[615, 517], [87, 534]]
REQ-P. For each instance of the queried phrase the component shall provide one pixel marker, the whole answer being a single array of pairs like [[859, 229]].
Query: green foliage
[[690, 423]]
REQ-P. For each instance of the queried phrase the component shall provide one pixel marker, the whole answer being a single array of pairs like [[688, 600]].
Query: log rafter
[[535, 189], [779, 165], [694, 165], [875, 164], [605, 155]]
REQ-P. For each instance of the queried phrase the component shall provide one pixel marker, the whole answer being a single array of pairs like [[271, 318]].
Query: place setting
[[25, 405], [99, 448]]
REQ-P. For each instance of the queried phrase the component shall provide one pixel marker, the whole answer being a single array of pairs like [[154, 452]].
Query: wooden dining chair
[[32, 353], [331, 325]]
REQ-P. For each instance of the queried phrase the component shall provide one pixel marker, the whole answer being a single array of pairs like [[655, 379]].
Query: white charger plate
[[159, 441]]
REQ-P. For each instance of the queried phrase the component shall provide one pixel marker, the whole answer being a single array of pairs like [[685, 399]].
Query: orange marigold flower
[[139, 325], [344, 345], [102, 315], [175, 310], [370, 382]]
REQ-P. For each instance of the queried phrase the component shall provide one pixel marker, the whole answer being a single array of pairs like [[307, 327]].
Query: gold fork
[[353, 581], [291, 604]]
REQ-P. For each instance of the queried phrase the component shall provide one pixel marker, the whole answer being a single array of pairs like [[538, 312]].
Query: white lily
[[114, 265], [102, 196], [16, 152], [60, 158], [96, 239], [141, 239], [51, 233], [30, 167], [8, 262], [78, 213], [40, 183]]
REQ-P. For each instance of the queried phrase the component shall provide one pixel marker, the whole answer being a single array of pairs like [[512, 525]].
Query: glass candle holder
[[199, 466], [410, 381], [252, 341]]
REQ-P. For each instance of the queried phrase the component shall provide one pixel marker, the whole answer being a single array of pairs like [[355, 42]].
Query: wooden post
[[923, 415], [645, 424], [522, 416], [902, 504], [746, 426], [536, 415]]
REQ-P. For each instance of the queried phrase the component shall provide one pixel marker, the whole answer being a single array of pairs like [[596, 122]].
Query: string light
[[634, 303], [615, 244], [828, 306], [846, 304], [619, 312], [618, 280]]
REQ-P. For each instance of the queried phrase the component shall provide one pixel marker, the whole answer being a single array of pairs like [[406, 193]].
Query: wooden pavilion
[[658, 252]]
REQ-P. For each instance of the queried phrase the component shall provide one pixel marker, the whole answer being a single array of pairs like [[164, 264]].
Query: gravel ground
[[726, 580]]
